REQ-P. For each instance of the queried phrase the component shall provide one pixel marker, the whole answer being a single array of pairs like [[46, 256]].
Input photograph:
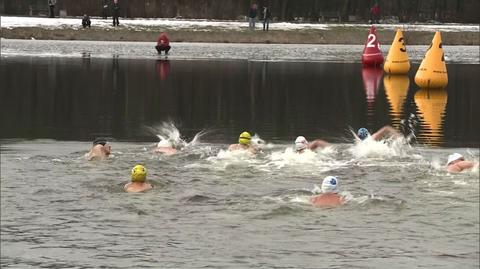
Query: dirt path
[[340, 35]]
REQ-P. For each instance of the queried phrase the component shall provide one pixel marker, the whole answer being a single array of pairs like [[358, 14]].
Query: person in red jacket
[[375, 13], [163, 43]]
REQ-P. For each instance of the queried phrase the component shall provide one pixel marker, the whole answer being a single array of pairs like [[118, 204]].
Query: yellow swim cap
[[139, 173], [244, 138]]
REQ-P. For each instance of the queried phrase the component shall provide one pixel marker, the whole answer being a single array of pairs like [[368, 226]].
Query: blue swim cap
[[363, 133]]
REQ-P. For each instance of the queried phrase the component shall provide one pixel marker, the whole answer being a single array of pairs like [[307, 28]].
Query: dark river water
[[211, 208], [80, 98]]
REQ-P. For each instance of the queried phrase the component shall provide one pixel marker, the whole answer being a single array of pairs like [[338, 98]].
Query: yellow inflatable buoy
[[397, 61], [431, 103], [396, 89], [432, 72]]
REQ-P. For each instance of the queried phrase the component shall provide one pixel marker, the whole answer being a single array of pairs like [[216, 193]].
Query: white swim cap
[[301, 143], [453, 157], [330, 185], [164, 144]]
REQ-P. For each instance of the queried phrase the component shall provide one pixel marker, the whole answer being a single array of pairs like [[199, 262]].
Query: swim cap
[[330, 185], [100, 141], [363, 133], [139, 173], [453, 157], [164, 144], [244, 138], [300, 143]]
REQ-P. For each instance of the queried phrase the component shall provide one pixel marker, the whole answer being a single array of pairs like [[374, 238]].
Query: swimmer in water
[[301, 144], [100, 150], [456, 163], [139, 177], [165, 147], [329, 196], [244, 143], [385, 131]]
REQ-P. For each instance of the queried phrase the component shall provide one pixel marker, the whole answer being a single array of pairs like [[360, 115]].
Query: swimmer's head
[[100, 141], [139, 173], [244, 138], [363, 133], [330, 185], [453, 157], [301, 143], [164, 144]]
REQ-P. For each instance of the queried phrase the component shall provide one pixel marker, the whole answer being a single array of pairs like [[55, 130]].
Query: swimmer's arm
[[253, 149], [384, 131], [454, 168], [465, 164], [317, 143]]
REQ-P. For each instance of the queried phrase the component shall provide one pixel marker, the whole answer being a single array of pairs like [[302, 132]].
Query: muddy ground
[[338, 35]]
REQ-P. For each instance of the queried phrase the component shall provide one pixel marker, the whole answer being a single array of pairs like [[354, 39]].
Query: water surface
[[214, 209]]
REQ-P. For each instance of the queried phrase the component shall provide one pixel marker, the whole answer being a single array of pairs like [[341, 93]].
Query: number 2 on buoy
[[371, 38]]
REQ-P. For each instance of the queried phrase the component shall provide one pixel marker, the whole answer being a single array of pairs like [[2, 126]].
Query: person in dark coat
[[51, 10], [266, 17], [252, 16], [116, 12], [86, 21], [104, 9]]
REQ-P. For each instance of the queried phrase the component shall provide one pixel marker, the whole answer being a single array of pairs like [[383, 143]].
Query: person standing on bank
[[252, 16], [375, 13], [104, 9], [86, 21], [116, 12], [51, 5], [266, 16]]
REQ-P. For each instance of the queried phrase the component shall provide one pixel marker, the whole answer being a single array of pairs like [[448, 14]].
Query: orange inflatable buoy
[[372, 55], [397, 58], [396, 89], [432, 72]]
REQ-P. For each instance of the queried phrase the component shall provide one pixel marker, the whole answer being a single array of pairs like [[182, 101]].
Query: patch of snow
[[10, 22]]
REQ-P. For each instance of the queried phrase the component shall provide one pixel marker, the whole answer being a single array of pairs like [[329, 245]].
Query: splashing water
[[408, 127], [289, 156], [392, 147], [170, 136]]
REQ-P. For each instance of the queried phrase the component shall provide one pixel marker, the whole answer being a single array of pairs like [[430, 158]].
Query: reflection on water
[[431, 104], [163, 68], [371, 82], [396, 89], [76, 99]]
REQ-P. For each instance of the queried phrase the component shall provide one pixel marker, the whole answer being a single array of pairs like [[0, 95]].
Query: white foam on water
[[237, 158], [370, 148], [322, 158], [289, 156], [316, 189], [460, 182], [301, 199]]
